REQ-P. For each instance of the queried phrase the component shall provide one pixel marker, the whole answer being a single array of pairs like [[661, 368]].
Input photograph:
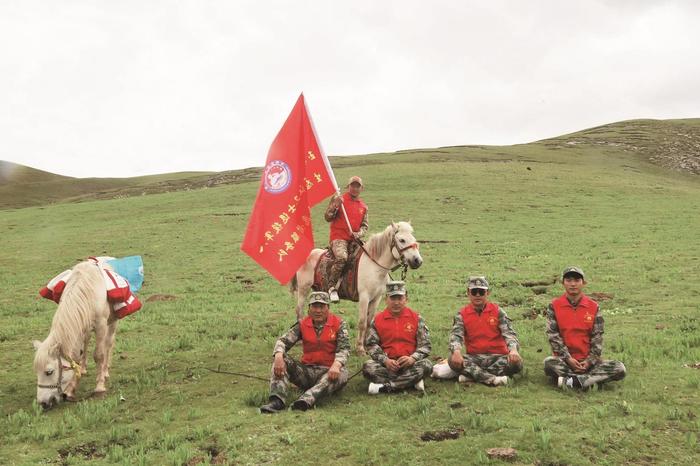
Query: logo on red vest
[[493, 321], [277, 177], [409, 327], [331, 335], [588, 318]]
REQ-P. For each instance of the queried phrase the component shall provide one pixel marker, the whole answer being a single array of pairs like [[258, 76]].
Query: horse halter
[[74, 366], [401, 258], [400, 251]]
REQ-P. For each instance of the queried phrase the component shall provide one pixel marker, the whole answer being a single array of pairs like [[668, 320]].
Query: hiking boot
[[333, 293], [420, 386], [300, 405], [462, 379], [274, 406], [375, 388]]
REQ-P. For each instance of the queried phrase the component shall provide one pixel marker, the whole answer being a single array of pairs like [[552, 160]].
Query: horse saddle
[[348, 279]]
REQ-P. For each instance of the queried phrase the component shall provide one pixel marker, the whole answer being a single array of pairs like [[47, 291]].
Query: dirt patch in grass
[[505, 454], [599, 296], [87, 451], [214, 456], [161, 297], [542, 282], [440, 435]]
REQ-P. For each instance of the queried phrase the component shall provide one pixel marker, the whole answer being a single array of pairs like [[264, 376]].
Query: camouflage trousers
[[484, 367], [406, 378], [312, 379], [604, 371], [339, 248]]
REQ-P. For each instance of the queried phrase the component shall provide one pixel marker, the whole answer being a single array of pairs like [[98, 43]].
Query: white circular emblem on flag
[[277, 177]]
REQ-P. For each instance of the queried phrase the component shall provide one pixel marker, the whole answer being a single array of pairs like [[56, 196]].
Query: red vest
[[319, 350], [481, 332], [356, 210], [575, 324], [397, 334]]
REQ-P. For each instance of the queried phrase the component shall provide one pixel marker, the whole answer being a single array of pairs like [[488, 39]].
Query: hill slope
[[673, 144], [516, 214]]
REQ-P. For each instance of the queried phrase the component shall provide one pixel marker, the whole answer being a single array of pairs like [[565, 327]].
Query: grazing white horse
[[386, 250], [83, 307]]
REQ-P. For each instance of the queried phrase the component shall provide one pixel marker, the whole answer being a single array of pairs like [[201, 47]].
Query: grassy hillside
[[515, 214], [672, 144], [22, 186]]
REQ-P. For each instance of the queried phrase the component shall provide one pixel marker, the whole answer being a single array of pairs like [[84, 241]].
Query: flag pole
[[328, 166]]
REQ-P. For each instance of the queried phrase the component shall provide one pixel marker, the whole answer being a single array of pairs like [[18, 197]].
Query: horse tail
[[293, 284]]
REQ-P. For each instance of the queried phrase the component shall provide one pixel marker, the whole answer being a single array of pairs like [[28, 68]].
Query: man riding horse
[[345, 228]]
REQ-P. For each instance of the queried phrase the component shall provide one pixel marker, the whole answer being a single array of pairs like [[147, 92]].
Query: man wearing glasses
[[575, 332], [491, 343]]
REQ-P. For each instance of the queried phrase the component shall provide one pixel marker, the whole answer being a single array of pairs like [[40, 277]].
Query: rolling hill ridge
[[671, 144]]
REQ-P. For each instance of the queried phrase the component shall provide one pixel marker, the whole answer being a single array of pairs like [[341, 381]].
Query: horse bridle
[[401, 258], [59, 386]]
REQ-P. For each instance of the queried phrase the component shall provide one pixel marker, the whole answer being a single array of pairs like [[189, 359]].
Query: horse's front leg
[[100, 356], [109, 349], [83, 354], [301, 299], [362, 325]]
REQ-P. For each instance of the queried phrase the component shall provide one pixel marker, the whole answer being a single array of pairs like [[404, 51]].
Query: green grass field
[[514, 214]]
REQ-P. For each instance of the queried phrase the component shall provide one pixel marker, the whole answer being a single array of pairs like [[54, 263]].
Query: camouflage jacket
[[293, 335], [504, 324], [557, 342], [374, 347]]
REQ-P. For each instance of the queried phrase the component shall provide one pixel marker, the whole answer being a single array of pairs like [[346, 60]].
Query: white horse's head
[[53, 374], [406, 245]]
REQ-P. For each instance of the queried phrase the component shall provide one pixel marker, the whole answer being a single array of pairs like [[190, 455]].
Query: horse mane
[[74, 315], [379, 243]]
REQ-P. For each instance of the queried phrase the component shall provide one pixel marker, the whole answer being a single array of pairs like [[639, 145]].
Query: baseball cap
[[571, 270], [394, 288], [477, 282], [355, 179], [319, 297]]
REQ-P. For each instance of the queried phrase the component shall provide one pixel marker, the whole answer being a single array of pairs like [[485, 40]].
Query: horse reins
[[401, 258]]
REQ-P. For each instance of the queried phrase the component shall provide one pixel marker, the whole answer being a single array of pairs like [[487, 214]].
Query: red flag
[[296, 177]]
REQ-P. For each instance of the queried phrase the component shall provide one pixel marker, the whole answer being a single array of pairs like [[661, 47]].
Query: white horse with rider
[[386, 251]]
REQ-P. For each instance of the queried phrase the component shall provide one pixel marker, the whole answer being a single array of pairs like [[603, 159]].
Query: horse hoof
[[71, 398], [99, 395]]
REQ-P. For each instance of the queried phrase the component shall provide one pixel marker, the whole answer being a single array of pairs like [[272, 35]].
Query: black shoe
[[274, 406], [300, 405], [577, 383]]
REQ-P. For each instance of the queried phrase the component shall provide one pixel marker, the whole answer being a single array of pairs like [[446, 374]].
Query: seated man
[[575, 332], [399, 343], [322, 369], [486, 331]]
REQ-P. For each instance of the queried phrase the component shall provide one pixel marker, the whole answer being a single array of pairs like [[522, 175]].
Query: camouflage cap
[[477, 282], [572, 269], [396, 288], [319, 297], [355, 179]]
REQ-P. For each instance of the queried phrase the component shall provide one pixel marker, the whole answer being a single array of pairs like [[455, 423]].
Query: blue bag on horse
[[131, 268]]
